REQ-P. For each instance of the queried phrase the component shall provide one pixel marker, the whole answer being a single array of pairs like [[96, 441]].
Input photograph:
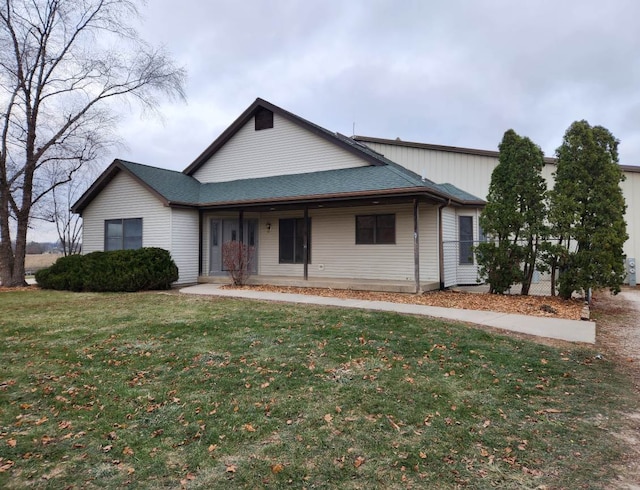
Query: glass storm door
[[228, 230]]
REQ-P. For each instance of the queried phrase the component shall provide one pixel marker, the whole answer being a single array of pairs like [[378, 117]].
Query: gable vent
[[264, 119]]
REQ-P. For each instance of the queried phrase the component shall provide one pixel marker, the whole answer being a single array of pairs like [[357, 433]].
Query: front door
[[228, 230]]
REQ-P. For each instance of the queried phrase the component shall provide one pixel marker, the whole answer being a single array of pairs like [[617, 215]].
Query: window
[[122, 234], [263, 119], [465, 233], [376, 229], [291, 234]]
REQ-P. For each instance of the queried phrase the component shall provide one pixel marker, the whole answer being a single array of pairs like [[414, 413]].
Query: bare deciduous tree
[[62, 64], [56, 209]]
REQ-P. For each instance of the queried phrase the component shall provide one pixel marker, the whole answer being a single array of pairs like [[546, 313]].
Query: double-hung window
[[291, 236], [376, 229], [122, 234]]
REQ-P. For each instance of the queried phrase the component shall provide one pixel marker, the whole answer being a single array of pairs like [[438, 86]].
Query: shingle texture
[[178, 188]]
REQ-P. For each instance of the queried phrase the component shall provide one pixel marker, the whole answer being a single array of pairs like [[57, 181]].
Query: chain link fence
[[461, 271]]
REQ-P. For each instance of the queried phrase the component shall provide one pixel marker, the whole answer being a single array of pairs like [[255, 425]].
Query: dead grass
[[34, 262]]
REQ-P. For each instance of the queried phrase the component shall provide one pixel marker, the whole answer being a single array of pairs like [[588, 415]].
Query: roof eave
[[404, 192], [429, 146], [104, 179]]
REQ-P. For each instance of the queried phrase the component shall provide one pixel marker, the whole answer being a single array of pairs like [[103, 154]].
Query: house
[[319, 209], [471, 169]]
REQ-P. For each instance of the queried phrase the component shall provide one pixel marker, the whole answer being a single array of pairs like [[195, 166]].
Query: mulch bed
[[544, 306]]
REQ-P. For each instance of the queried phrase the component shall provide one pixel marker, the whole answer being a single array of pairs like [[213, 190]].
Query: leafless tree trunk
[[62, 64]]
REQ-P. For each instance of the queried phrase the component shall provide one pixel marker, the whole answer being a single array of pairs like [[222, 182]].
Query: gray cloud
[[454, 72]]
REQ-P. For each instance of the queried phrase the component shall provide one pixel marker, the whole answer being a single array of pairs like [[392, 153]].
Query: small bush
[[118, 270], [237, 258]]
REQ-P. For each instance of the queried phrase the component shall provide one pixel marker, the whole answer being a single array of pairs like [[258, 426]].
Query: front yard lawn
[[160, 390]]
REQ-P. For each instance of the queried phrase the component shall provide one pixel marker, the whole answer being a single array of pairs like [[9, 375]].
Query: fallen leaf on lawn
[[547, 410], [212, 447], [249, 428], [65, 424], [423, 455], [42, 420], [12, 443], [277, 468], [543, 361], [393, 424], [359, 462], [127, 450], [486, 423], [328, 418], [231, 468], [264, 385], [107, 448]]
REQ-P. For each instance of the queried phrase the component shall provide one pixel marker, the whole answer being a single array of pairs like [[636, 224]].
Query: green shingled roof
[[171, 185], [380, 177], [178, 188]]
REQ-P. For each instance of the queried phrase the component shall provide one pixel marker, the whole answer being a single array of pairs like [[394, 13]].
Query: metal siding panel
[[631, 191], [472, 173], [283, 150]]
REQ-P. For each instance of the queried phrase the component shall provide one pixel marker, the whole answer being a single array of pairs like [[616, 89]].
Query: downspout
[[200, 235], [305, 244], [441, 243], [416, 246]]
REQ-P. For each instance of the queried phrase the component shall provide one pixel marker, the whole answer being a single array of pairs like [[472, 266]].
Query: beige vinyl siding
[[124, 197], [334, 253], [184, 243], [450, 249], [282, 150], [268, 245], [429, 249]]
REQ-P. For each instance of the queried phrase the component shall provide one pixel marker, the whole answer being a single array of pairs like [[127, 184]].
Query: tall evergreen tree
[[587, 210], [514, 215]]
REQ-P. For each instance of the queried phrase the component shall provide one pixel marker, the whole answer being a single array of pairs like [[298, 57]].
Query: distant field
[[34, 262]]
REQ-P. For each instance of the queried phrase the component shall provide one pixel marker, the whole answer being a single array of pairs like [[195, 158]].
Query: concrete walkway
[[554, 328]]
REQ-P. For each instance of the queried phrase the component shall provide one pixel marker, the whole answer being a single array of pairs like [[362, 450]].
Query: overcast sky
[[448, 72]]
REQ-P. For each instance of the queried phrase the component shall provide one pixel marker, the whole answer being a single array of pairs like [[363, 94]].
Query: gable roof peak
[[346, 143]]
